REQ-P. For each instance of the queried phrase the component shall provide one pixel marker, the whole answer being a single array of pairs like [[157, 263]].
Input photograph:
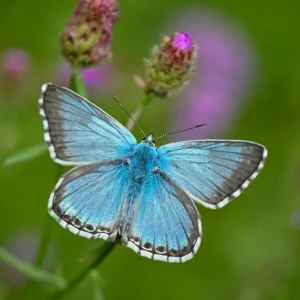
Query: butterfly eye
[[154, 142], [126, 162]]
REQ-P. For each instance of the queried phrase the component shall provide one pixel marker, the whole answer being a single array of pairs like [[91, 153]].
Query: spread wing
[[78, 132], [87, 202], [212, 172], [165, 224]]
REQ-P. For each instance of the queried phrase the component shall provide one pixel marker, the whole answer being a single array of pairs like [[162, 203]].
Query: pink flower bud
[[182, 43], [170, 65]]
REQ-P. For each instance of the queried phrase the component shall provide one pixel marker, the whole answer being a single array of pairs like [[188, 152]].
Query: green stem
[[147, 99], [138, 111], [135, 115], [76, 82], [30, 271], [106, 249], [77, 85], [45, 242]]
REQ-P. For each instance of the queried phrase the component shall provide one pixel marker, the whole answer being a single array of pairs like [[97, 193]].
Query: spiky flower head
[[86, 39], [170, 65]]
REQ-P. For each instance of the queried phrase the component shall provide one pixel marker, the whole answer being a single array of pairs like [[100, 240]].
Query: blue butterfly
[[135, 191]]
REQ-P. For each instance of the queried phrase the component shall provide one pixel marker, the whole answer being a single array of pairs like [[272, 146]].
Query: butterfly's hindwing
[[78, 132], [88, 199], [166, 224], [136, 191], [212, 172]]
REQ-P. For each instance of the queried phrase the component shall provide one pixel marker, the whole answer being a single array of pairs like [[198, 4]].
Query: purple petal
[[183, 41]]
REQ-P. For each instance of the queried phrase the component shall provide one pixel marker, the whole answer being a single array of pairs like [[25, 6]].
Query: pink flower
[[182, 42], [15, 64], [223, 78]]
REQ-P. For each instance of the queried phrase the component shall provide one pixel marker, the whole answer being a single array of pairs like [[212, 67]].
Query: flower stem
[[138, 111], [31, 271], [135, 115], [107, 247], [76, 82], [148, 98], [105, 250]]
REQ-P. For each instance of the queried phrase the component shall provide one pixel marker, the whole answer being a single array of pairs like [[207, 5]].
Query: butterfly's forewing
[[78, 132], [212, 172], [166, 224], [88, 199], [94, 199]]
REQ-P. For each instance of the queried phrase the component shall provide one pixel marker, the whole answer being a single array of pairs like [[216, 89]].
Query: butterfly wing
[[166, 224], [78, 132], [87, 202], [212, 172]]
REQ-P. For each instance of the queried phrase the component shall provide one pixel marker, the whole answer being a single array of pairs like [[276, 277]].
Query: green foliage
[[250, 249], [26, 154], [30, 271]]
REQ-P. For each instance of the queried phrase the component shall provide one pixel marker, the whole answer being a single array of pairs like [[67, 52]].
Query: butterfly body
[[134, 190], [140, 166]]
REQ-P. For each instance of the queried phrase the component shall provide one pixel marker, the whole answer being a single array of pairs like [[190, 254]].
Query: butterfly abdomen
[[141, 166]]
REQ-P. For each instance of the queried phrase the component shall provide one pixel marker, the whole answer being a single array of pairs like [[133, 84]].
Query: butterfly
[[137, 192]]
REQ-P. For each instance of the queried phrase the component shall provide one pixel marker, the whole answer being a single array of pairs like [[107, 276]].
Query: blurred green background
[[251, 248]]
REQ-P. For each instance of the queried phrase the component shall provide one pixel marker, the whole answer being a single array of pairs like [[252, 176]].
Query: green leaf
[[96, 284], [26, 154], [31, 271]]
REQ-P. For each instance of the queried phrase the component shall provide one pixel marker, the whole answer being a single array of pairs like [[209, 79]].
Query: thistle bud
[[86, 39], [169, 67]]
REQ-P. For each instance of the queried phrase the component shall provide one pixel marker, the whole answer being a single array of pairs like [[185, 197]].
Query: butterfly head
[[148, 141]]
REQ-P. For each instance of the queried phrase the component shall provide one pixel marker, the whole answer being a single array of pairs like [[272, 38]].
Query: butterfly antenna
[[126, 112], [196, 126]]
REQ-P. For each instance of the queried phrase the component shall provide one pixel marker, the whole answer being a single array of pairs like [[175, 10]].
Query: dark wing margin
[[86, 202], [213, 172], [167, 225]]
